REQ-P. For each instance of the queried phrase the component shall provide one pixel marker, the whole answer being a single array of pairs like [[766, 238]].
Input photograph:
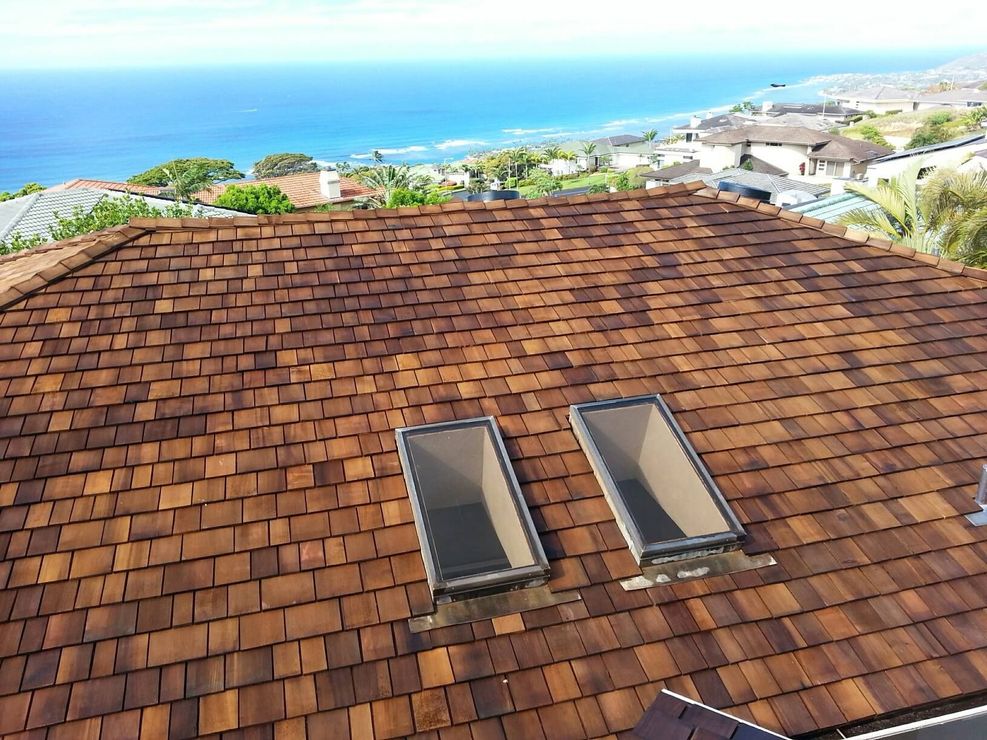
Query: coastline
[[411, 114]]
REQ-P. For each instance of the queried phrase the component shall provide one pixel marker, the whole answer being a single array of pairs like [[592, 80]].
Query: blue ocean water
[[56, 125]]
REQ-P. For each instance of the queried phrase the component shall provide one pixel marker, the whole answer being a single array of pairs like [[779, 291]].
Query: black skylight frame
[[648, 552], [474, 585]]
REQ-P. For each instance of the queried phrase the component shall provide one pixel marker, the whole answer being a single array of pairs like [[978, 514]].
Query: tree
[[110, 211], [542, 183], [950, 213], [955, 207], [405, 197], [552, 153], [278, 165], [649, 136], [589, 148], [895, 212], [387, 179], [258, 198], [973, 118], [869, 132], [198, 169], [31, 187], [745, 106], [932, 131], [377, 156]]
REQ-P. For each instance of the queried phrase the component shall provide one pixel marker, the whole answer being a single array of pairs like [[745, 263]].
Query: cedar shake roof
[[302, 189], [204, 525]]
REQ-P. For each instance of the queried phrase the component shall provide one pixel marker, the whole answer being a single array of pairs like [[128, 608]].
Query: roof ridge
[[29, 200], [855, 235], [78, 252]]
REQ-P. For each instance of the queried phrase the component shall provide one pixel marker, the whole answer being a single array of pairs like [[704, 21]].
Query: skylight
[[474, 527], [664, 499]]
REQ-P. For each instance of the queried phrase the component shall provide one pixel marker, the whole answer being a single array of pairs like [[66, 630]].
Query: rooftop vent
[[665, 502], [732, 187], [476, 533], [980, 517]]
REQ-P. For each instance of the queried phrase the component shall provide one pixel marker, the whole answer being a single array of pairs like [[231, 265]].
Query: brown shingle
[[205, 526]]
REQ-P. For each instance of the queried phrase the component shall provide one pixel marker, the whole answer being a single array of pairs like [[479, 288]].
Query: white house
[[693, 132], [792, 150], [620, 151], [961, 98], [879, 99], [953, 153], [825, 111]]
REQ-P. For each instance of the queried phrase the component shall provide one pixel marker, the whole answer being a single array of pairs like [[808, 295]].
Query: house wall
[[948, 158], [720, 156], [879, 106], [787, 156], [624, 160], [560, 167]]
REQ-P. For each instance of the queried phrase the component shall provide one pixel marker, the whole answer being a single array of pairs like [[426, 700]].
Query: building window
[[834, 169], [475, 530], [665, 502]]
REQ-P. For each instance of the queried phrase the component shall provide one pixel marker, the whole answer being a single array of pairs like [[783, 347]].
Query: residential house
[[306, 191], [706, 458], [831, 112], [667, 175], [620, 151], [879, 99], [35, 215], [961, 98], [945, 154], [697, 128], [797, 151], [775, 185]]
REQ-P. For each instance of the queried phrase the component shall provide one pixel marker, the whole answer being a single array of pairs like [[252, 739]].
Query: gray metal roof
[[35, 214], [773, 184], [831, 208], [952, 144], [619, 140]]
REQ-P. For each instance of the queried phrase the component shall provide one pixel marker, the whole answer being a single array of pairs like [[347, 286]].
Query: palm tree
[[955, 205], [385, 180], [588, 148], [950, 214], [552, 152], [895, 211], [377, 156], [649, 136], [186, 181]]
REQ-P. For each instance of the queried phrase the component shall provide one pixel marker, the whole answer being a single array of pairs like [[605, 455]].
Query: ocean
[[56, 125]]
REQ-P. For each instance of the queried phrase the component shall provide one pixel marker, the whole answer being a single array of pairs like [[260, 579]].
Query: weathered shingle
[[204, 527]]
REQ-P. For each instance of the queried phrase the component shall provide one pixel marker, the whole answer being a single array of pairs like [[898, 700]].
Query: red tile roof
[[302, 189], [203, 522], [122, 187]]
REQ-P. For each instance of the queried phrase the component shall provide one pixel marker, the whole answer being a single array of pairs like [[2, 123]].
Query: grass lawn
[[900, 127], [576, 182]]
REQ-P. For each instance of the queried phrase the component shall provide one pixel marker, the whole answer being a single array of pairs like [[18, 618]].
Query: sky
[[69, 33]]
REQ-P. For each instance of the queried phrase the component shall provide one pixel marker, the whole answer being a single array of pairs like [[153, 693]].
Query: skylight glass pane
[[665, 502], [475, 530]]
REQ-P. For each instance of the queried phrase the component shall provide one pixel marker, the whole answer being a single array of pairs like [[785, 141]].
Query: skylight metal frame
[[508, 579], [650, 552]]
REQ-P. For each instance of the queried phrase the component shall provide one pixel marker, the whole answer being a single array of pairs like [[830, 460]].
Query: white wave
[[247, 110], [527, 131], [389, 152], [459, 143]]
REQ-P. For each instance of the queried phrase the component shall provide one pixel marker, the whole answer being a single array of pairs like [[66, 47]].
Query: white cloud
[[134, 32]]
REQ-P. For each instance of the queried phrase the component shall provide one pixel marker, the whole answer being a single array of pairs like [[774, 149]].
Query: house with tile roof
[[793, 150], [36, 214], [775, 185], [879, 99], [227, 448], [306, 191], [960, 98]]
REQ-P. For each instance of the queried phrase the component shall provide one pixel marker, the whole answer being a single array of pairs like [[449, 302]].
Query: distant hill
[[972, 63]]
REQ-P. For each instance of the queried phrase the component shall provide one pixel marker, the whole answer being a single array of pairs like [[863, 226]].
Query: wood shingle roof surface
[[204, 527]]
